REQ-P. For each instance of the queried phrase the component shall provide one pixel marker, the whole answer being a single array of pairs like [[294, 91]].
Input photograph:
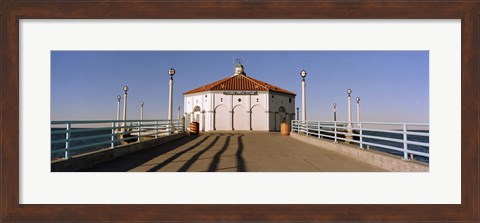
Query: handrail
[[376, 123], [364, 136], [79, 138]]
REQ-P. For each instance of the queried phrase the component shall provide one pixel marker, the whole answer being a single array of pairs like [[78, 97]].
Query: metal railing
[[75, 137], [405, 139]]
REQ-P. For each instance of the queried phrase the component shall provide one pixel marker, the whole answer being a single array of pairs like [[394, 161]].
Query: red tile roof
[[239, 83]]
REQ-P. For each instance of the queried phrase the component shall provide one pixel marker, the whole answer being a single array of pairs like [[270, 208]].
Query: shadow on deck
[[185, 154], [236, 151]]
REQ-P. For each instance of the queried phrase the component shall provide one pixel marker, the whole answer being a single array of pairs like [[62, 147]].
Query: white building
[[239, 102]]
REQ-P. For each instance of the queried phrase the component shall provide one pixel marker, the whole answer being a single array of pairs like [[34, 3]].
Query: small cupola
[[239, 70]]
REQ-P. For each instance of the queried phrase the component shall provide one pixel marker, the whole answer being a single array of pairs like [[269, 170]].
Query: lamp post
[[334, 112], [349, 130], [349, 92], [118, 110], [303, 74], [125, 89], [141, 110], [171, 72], [358, 112], [178, 113]]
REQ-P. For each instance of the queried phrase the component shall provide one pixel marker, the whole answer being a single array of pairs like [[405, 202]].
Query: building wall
[[221, 122], [276, 116], [203, 101], [239, 112]]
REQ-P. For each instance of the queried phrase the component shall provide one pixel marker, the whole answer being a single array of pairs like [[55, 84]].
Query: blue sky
[[393, 85]]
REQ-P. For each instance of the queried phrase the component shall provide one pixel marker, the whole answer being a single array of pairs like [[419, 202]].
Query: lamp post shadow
[[195, 157], [176, 155], [241, 167]]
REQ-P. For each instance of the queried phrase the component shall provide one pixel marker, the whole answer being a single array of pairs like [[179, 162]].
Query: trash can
[[285, 128], [194, 128]]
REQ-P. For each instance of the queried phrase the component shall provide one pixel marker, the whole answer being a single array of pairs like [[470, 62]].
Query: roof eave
[[289, 93]]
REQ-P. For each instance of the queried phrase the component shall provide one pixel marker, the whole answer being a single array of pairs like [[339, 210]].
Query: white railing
[[78, 137], [407, 139]]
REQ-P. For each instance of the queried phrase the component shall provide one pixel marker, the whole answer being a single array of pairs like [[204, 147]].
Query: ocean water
[[415, 138], [74, 135]]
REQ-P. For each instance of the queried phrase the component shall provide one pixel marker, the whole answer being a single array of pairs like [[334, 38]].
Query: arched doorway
[[259, 118], [196, 114], [279, 117], [221, 118], [241, 121]]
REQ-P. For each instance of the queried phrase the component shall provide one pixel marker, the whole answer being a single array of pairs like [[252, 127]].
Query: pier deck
[[236, 152]]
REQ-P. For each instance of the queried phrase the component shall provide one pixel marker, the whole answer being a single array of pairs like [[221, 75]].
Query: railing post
[[306, 122], [335, 131], [67, 143], [405, 147], [318, 129], [156, 129], [361, 138], [174, 127], [112, 138]]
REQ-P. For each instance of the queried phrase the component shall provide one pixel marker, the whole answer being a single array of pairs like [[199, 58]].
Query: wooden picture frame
[[12, 11]]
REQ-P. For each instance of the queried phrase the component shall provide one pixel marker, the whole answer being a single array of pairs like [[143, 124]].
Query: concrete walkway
[[236, 152]]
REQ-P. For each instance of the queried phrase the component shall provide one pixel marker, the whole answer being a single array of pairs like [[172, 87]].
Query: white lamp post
[[125, 89], [334, 112], [358, 112], [141, 110], [303, 74], [349, 130], [171, 72], [349, 92], [118, 110], [178, 113]]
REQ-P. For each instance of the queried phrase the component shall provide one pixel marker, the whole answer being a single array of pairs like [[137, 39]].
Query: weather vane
[[238, 60]]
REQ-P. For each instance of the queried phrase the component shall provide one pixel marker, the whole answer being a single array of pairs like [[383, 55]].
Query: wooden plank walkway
[[236, 152]]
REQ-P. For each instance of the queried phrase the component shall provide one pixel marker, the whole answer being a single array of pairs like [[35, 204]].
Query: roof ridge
[[257, 82], [220, 82]]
